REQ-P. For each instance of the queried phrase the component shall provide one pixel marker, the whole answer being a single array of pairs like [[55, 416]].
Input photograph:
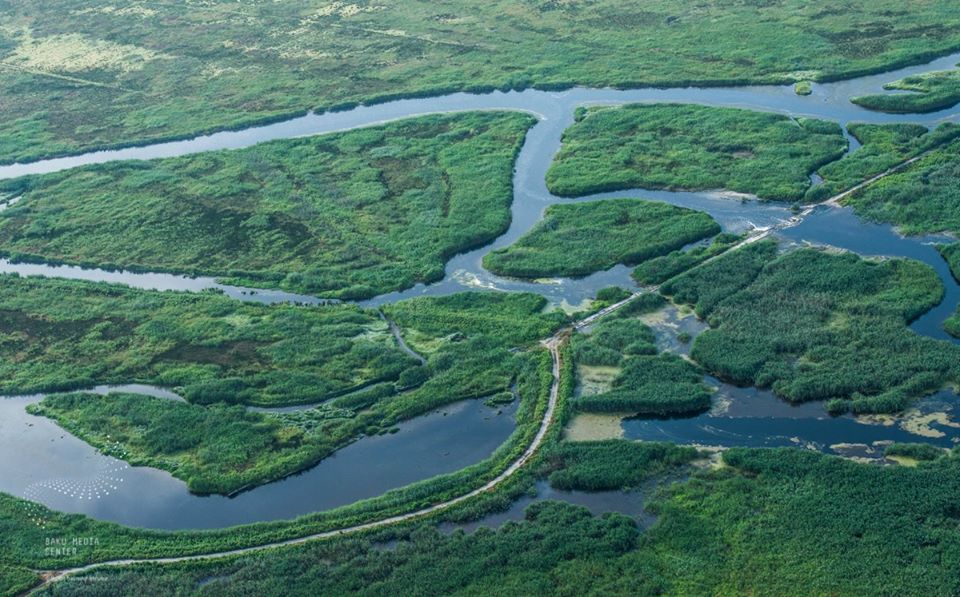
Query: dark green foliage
[[670, 146], [215, 449], [613, 464], [819, 326], [647, 383], [15, 580], [348, 215], [883, 147], [643, 304], [915, 451], [581, 238], [932, 91], [951, 253], [920, 199], [661, 269], [612, 294], [221, 64], [65, 334], [705, 286]]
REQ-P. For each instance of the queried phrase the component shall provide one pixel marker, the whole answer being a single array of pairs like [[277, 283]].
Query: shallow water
[[68, 475]]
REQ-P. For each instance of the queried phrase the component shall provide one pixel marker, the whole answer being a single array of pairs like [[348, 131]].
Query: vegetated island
[[345, 215], [218, 352], [931, 92], [690, 147], [581, 238], [813, 325]]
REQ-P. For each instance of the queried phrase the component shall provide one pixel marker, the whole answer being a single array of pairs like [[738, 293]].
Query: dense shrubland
[[612, 464], [932, 91], [581, 238], [690, 147], [645, 383], [920, 199], [348, 215], [951, 253], [819, 326], [883, 146], [661, 269]]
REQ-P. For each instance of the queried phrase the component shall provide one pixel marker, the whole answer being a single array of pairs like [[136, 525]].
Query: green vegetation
[[645, 382], [803, 87], [920, 199], [60, 335], [932, 92], [951, 253], [348, 215], [883, 147], [915, 451], [215, 449], [661, 269], [818, 326], [581, 238], [613, 464], [80, 74], [677, 146], [15, 580], [221, 449], [778, 522]]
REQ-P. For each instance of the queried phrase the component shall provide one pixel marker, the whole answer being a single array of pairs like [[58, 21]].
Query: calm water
[[40, 461], [44, 463]]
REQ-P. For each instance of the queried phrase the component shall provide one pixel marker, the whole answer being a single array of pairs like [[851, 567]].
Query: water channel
[[43, 463]]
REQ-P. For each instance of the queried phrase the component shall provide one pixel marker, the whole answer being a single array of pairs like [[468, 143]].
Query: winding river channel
[[41, 462]]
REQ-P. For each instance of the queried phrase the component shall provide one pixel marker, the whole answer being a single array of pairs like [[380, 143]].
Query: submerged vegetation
[[582, 238], [818, 326], [690, 147], [930, 92], [82, 74], [347, 215], [920, 199]]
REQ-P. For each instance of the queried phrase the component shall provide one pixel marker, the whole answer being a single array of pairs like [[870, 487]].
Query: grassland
[[82, 75], [920, 199], [689, 147], [883, 146], [818, 326], [348, 215], [931, 92], [581, 238]]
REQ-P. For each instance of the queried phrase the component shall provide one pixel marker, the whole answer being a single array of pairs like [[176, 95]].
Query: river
[[43, 463]]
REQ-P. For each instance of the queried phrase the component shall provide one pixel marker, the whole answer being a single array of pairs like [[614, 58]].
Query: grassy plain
[[818, 326], [931, 92], [347, 215], [690, 147], [581, 238], [81, 74]]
